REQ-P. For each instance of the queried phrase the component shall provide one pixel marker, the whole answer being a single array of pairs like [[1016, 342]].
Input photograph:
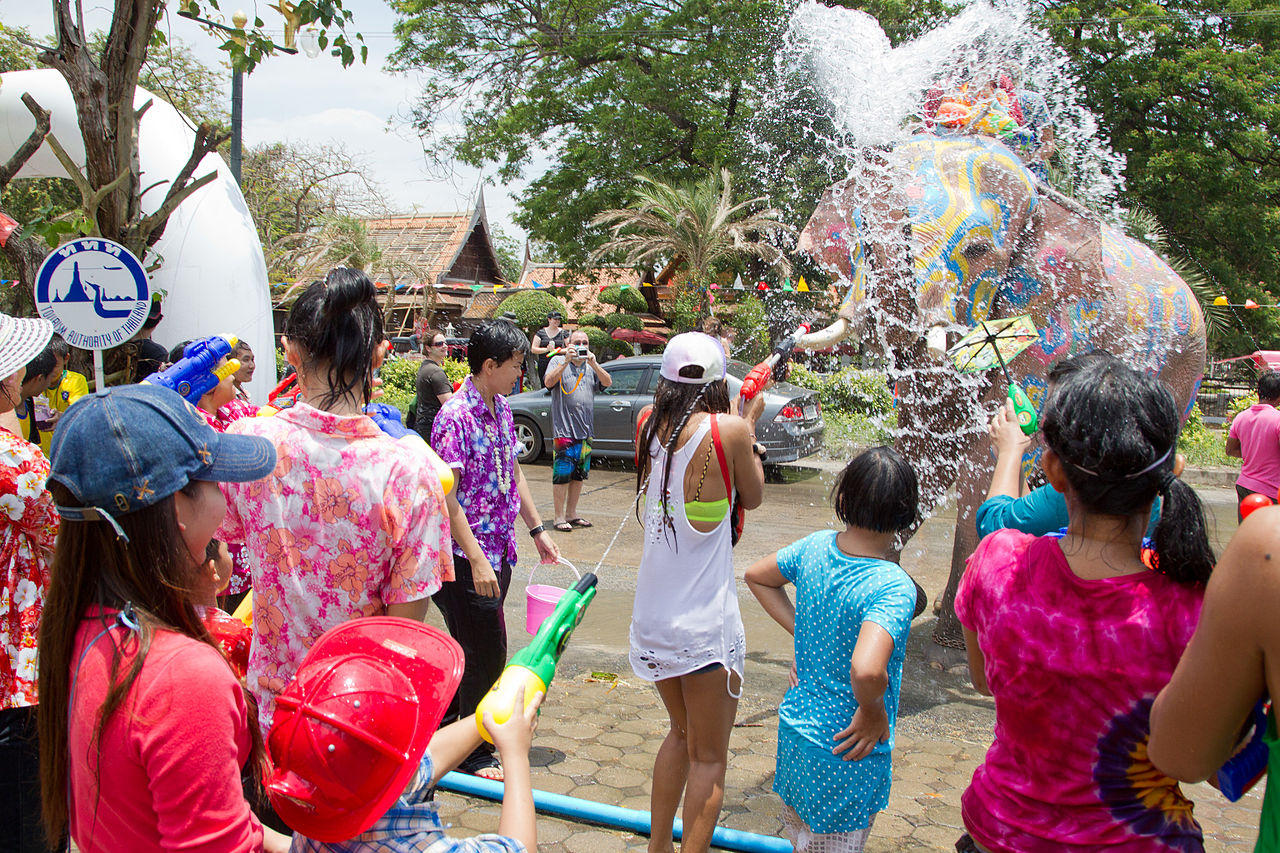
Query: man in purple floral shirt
[[475, 435]]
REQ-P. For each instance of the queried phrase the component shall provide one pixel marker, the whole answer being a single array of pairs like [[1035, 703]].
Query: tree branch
[[207, 140], [152, 227], [32, 143]]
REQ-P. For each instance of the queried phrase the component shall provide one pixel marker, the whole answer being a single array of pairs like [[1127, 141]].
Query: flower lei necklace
[[501, 463]]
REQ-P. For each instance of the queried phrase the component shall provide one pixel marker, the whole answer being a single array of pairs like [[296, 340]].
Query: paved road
[[597, 737]]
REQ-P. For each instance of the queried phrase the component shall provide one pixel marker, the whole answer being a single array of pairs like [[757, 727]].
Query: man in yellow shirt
[[65, 386]]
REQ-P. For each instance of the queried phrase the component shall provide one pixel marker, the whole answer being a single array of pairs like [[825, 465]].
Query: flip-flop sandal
[[580, 522], [563, 526], [493, 772]]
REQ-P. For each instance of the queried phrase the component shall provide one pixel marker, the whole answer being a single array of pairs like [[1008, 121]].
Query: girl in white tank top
[[686, 629]]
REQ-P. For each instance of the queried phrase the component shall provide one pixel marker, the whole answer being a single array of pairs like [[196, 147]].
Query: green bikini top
[[706, 512]]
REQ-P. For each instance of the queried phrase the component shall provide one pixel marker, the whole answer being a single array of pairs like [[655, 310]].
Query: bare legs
[[692, 759], [565, 497]]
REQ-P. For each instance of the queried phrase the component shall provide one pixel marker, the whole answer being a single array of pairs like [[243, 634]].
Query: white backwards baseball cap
[[694, 349]]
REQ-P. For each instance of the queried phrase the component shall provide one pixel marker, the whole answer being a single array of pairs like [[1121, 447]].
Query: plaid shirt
[[411, 826]]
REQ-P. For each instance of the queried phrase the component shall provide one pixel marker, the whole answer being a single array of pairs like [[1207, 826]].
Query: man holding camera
[[573, 378]]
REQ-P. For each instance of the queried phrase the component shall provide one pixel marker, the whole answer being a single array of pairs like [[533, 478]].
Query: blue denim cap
[[131, 446]]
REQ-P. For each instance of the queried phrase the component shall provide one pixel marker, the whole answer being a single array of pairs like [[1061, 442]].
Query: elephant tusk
[[824, 338]]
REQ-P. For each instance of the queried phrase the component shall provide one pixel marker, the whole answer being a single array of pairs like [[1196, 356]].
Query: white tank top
[[686, 613]]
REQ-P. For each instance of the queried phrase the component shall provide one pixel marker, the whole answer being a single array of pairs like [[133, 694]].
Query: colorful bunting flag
[[737, 282], [715, 286], [786, 284], [535, 284], [1249, 303], [7, 227], [761, 286], [647, 284], [1221, 300], [475, 288], [802, 287], [623, 287]]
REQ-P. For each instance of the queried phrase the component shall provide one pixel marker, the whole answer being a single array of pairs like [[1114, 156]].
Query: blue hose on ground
[[616, 816]]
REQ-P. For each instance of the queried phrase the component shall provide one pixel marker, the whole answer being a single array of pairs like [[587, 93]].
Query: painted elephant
[[928, 237]]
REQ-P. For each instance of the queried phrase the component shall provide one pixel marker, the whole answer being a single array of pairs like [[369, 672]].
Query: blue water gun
[[387, 419], [1243, 770], [197, 372]]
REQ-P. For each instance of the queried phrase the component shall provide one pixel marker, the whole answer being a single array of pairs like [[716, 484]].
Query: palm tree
[[696, 226]]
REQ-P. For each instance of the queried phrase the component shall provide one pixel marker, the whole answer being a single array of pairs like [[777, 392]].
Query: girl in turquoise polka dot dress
[[850, 619]]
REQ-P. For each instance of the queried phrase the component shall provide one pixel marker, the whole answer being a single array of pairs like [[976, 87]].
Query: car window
[[626, 380]]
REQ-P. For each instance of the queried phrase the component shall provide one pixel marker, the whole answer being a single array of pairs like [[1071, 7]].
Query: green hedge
[[590, 319], [399, 380], [623, 321], [531, 308], [629, 301], [848, 390], [602, 345]]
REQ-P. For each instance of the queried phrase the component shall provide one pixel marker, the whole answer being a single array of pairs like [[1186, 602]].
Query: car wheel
[[530, 439]]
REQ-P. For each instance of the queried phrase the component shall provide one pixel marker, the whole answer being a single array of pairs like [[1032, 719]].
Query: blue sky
[[293, 98]]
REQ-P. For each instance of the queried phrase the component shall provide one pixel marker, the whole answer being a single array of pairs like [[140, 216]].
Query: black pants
[[479, 626], [20, 818], [1241, 494]]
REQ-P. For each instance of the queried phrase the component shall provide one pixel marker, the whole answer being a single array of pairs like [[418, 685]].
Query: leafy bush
[[683, 313], [850, 432], [628, 301], [750, 322], [1239, 404], [602, 345], [847, 391], [1201, 445], [590, 319], [399, 380], [623, 321], [530, 307]]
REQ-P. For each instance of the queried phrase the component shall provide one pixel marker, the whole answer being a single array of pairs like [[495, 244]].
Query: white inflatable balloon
[[213, 271]]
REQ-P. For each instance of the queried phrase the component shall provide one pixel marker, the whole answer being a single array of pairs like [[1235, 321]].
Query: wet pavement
[[601, 726]]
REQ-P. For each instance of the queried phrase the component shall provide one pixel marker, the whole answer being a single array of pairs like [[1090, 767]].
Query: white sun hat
[[21, 339], [693, 349]]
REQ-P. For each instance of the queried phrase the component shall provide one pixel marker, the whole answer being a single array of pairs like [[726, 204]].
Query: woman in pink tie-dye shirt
[[1074, 636], [350, 523]]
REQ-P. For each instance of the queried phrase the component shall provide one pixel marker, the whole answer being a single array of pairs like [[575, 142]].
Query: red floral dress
[[28, 527]]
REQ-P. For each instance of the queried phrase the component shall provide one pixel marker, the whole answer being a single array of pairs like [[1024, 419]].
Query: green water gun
[[1028, 421], [535, 665]]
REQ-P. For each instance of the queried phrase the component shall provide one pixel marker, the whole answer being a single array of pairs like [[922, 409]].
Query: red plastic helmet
[[350, 729]]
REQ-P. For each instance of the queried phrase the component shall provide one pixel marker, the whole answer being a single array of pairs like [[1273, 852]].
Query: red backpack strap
[[724, 466]]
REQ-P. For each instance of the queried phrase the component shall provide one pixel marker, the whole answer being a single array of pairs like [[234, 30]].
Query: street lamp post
[[310, 46]]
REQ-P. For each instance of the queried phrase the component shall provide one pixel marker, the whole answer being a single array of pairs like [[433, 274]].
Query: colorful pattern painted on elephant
[[963, 215], [848, 241]]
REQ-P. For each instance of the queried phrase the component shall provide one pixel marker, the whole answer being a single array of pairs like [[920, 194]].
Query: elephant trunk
[[823, 338]]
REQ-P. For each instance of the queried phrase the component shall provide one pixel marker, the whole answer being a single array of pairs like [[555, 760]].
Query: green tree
[[696, 225], [616, 86], [301, 196], [100, 81], [510, 254], [1190, 95], [624, 299]]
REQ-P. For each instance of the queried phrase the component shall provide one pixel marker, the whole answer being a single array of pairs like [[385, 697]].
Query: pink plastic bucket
[[541, 600]]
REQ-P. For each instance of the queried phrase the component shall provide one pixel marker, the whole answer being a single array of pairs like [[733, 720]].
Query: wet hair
[[241, 347], [40, 366], [498, 340], [175, 354], [338, 322], [153, 574], [673, 404], [60, 347], [211, 550], [1116, 431], [709, 326], [1065, 367], [877, 491], [154, 315], [1269, 385]]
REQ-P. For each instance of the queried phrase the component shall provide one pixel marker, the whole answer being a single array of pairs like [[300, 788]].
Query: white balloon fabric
[[212, 268]]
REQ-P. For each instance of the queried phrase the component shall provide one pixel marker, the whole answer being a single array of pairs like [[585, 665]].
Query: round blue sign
[[94, 291]]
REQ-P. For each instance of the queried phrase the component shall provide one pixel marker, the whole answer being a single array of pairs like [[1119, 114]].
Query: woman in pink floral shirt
[[28, 527], [350, 523]]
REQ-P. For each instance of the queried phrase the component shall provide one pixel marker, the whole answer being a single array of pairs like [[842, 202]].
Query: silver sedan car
[[790, 428]]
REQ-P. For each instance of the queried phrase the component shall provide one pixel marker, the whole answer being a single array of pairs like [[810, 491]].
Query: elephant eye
[[976, 250]]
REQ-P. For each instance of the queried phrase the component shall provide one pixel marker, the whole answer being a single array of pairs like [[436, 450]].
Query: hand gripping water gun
[[197, 372], [535, 665], [1243, 770], [388, 420], [775, 366]]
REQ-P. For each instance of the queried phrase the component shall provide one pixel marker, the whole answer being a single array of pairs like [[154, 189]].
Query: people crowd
[[139, 714]]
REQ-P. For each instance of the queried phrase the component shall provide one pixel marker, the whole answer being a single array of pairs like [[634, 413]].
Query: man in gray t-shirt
[[572, 379]]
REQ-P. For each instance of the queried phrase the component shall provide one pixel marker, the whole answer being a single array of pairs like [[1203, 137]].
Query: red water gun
[[773, 367], [282, 396]]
